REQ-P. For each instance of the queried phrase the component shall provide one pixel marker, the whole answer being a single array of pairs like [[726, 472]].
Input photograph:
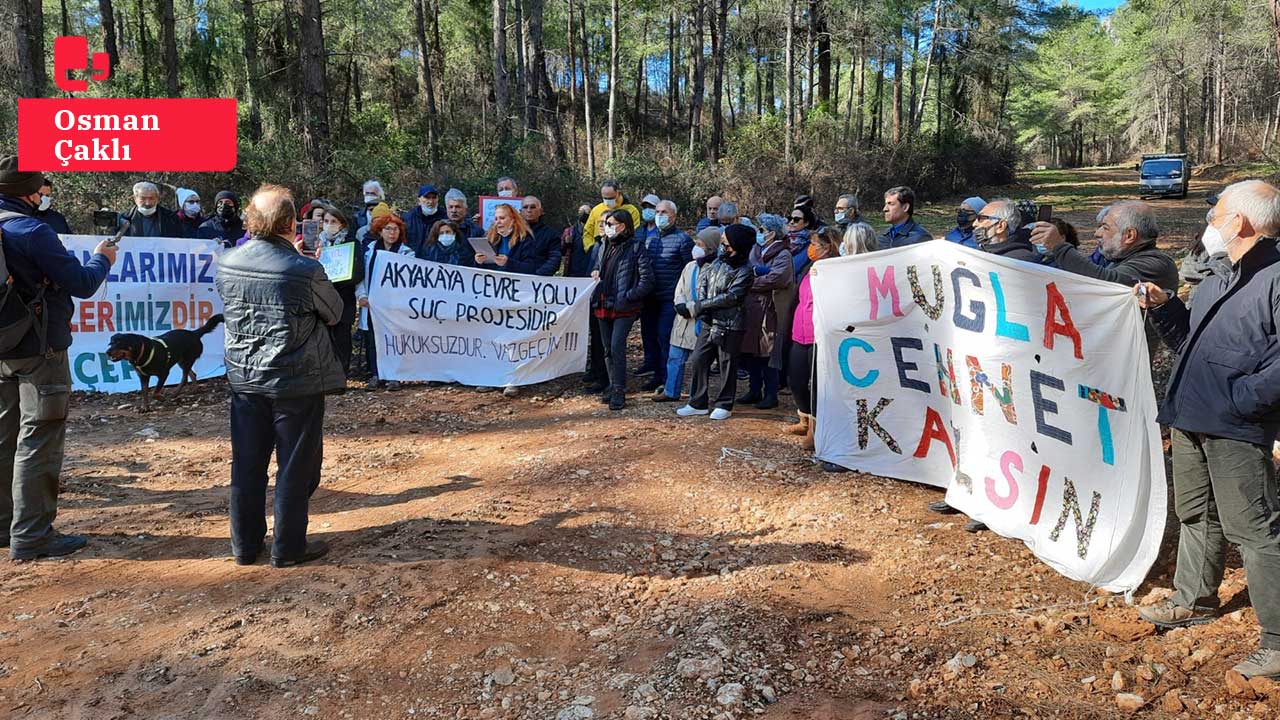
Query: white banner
[[1024, 390], [155, 285], [476, 327]]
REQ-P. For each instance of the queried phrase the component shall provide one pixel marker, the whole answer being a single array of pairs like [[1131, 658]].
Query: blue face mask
[[662, 221], [648, 214], [840, 216], [760, 238]]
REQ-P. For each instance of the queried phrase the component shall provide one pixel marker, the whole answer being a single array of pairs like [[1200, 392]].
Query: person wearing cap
[[712, 218], [723, 289], [46, 213], [365, 234], [684, 331], [35, 374], [648, 212], [962, 233], [225, 225], [189, 212], [670, 249], [418, 220], [148, 218]]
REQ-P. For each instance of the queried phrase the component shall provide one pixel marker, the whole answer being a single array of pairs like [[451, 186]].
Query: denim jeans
[[675, 371]]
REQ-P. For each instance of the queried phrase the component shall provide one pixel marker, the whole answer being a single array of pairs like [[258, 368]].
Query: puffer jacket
[[724, 289], [626, 277], [417, 227], [670, 249], [277, 305], [1226, 380]]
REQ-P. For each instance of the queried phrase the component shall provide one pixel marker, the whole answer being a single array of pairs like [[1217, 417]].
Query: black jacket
[[723, 289], [34, 253], [55, 220], [531, 256], [417, 227], [228, 231], [1226, 380], [163, 223], [1145, 263], [277, 306], [1016, 248], [459, 253], [626, 277]]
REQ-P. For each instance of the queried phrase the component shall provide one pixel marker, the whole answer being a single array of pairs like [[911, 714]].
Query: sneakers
[[511, 391], [374, 383], [1264, 662], [1167, 615], [55, 544], [689, 411], [721, 414], [975, 526], [393, 385], [316, 549], [942, 508]]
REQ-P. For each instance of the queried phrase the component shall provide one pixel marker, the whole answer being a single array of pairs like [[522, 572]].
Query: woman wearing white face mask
[[684, 331], [335, 230], [445, 245], [190, 212]]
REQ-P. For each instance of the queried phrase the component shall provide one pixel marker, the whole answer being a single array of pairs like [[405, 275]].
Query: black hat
[[741, 238], [803, 201], [14, 182], [227, 195]]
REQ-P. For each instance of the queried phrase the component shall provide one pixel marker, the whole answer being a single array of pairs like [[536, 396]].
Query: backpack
[[17, 316]]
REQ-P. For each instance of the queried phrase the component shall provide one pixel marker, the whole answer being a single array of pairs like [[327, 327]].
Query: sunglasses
[[795, 219]]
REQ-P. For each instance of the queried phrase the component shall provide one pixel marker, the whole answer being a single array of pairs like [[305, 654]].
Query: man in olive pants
[[1223, 409], [35, 377]]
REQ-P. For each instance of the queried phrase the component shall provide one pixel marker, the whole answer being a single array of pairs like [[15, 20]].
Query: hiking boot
[[55, 544], [1168, 615], [617, 401], [249, 558], [1264, 662], [373, 384], [941, 507], [975, 526], [316, 549], [393, 385], [768, 403]]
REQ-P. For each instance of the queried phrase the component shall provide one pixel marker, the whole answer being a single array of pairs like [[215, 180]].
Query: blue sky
[[1098, 4]]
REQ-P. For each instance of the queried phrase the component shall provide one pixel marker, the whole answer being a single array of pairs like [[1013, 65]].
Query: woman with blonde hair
[[518, 250]]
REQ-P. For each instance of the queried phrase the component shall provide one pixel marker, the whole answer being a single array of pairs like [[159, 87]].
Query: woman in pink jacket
[[829, 242]]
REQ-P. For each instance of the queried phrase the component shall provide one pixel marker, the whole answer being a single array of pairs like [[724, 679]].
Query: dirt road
[[545, 558]]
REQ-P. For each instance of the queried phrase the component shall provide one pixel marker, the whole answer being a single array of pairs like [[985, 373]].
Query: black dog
[[157, 356]]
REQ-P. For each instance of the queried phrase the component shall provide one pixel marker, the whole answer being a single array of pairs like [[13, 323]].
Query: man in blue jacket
[[1223, 409], [35, 375], [966, 215], [419, 220], [899, 211], [670, 249]]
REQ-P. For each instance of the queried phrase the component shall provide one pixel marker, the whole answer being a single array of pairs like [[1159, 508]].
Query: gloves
[[761, 270], [683, 310]]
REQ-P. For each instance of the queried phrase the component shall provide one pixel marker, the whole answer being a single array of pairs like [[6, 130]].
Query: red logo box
[[127, 135]]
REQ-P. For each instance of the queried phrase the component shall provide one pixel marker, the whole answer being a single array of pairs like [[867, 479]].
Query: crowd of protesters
[[727, 300]]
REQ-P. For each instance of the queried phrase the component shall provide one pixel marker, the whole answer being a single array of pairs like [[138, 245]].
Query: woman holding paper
[[336, 230], [388, 231]]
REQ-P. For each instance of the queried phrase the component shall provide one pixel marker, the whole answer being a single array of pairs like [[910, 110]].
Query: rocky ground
[[545, 558]]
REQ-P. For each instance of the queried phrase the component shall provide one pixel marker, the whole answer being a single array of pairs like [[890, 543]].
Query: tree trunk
[[915, 61], [586, 94], [791, 71], [823, 38], [253, 94], [501, 108], [917, 112], [315, 97], [169, 39], [717, 103], [66, 19], [142, 50], [438, 48], [571, 41], [546, 102], [672, 77], [858, 123], [28, 29], [699, 75], [614, 15], [897, 86], [637, 116], [426, 89], [106, 12], [877, 114], [521, 85]]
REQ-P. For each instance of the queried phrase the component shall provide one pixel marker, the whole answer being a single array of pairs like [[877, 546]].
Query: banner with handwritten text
[[476, 327], [1023, 390], [155, 285]]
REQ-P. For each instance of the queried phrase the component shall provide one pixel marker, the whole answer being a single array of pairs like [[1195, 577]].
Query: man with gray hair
[[670, 249], [1223, 409], [995, 229], [372, 195], [728, 213], [148, 218], [1126, 236], [455, 208], [847, 212]]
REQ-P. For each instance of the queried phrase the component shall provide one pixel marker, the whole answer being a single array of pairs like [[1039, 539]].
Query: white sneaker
[[689, 410], [721, 414]]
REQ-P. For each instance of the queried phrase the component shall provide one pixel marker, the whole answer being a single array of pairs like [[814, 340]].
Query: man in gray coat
[[280, 365]]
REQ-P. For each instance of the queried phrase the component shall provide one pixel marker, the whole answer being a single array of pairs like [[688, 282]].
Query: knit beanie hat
[[16, 183], [379, 210], [742, 239]]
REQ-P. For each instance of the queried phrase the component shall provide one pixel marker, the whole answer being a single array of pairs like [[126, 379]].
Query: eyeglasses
[[796, 219]]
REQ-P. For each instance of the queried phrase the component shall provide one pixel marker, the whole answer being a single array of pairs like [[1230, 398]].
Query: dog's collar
[[151, 351]]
